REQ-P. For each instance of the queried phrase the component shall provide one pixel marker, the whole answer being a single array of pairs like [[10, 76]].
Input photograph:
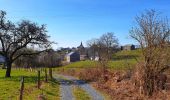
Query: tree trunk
[[8, 71]]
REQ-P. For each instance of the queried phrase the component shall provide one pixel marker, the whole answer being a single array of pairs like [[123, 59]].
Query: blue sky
[[71, 21]]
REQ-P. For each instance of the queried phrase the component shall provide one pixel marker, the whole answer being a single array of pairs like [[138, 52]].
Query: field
[[125, 59], [10, 86]]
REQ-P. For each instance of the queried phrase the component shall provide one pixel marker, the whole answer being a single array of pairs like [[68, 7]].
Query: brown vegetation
[[153, 34], [119, 84]]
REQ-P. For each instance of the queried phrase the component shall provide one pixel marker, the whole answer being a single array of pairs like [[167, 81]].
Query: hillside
[[121, 60]]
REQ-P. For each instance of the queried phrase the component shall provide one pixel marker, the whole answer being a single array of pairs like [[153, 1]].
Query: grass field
[[123, 55], [10, 86]]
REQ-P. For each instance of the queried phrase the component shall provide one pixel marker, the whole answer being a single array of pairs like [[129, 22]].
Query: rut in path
[[66, 87]]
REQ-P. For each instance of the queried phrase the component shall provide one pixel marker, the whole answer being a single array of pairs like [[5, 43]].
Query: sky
[[71, 21]]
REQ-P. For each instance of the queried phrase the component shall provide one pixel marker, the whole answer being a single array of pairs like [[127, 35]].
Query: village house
[[80, 53], [128, 47], [72, 57]]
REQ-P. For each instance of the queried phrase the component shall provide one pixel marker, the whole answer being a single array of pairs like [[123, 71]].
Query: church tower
[[81, 49]]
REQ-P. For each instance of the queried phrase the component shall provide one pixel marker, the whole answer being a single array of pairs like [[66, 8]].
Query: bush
[[90, 74]]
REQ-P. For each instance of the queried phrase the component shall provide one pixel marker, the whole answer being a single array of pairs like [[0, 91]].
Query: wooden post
[[38, 83], [21, 88], [46, 75], [50, 73]]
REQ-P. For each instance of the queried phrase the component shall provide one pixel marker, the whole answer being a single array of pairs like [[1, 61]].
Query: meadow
[[10, 86]]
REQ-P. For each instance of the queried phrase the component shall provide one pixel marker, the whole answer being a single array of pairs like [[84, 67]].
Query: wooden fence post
[[21, 88], [38, 83], [46, 75], [50, 73]]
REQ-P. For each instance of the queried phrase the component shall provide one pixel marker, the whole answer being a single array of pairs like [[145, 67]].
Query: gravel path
[[65, 88], [73, 81]]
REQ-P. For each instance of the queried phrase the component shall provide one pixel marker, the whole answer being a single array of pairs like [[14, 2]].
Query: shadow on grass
[[48, 92], [125, 57]]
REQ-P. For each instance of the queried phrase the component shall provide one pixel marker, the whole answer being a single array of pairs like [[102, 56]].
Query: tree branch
[[28, 54], [2, 43]]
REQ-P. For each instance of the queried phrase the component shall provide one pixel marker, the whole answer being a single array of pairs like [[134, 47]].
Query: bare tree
[[14, 38], [153, 34], [108, 43], [104, 47]]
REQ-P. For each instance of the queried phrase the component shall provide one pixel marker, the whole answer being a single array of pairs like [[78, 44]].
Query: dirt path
[[66, 87]]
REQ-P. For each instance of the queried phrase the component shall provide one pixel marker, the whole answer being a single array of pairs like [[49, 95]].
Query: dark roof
[[129, 45], [69, 54]]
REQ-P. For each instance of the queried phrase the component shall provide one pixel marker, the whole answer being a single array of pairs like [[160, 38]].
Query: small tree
[[104, 47], [15, 38], [153, 34]]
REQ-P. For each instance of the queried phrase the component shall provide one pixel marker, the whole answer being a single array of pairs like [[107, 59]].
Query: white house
[[96, 58]]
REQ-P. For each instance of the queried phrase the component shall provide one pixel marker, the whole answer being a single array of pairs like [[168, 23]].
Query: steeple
[[81, 44]]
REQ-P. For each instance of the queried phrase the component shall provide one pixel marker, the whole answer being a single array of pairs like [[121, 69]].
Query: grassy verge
[[80, 94], [10, 86]]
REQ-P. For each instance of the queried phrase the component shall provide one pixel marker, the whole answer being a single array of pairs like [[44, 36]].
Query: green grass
[[122, 64], [80, 94], [10, 86], [123, 55], [125, 59], [76, 66]]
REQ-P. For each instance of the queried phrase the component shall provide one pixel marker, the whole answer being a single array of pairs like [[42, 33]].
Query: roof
[[128, 45], [69, 54]]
